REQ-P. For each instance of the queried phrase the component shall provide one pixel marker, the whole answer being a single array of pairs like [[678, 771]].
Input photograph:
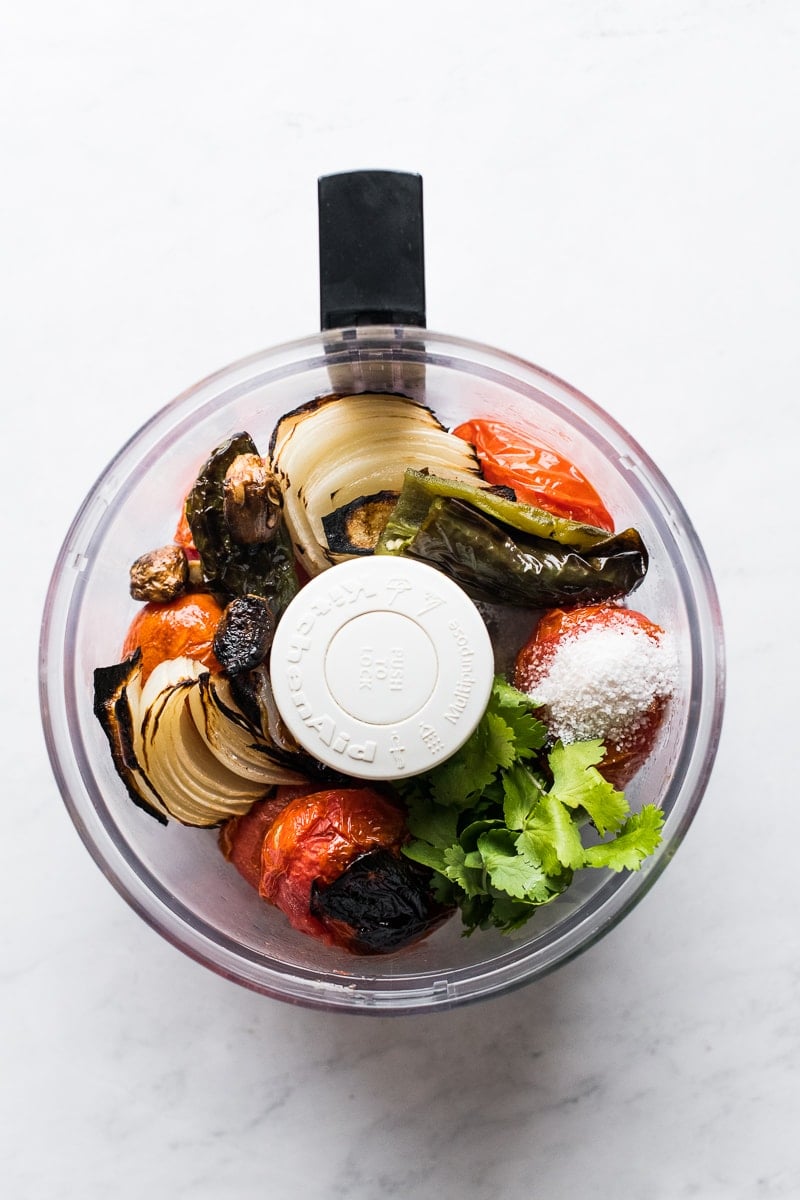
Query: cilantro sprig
[[502, 823]]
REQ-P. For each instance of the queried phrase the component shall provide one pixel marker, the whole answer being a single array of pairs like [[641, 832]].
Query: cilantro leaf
[[514, 707], [507, 870], [498, 739], [432, 822], [552, 836], [468, 838], [521, 791], [502, 832], [430, 856], [476, 913], [458, 871], [462, 778], [578, 784], [505, 695], [443, 890], [638, 838], [509, 915], [508, 731]]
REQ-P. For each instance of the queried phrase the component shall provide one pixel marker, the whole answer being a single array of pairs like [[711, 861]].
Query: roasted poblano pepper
[[507, 552], [234, 568], [420, 489]]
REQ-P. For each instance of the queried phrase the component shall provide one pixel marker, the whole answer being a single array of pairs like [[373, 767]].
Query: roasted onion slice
[[182, 746], [330, 452]]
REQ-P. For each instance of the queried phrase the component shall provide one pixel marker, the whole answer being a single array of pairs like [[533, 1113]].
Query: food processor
[[373, 338]]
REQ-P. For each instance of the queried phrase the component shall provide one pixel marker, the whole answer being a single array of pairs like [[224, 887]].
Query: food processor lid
[[381, 667], [371, 250]]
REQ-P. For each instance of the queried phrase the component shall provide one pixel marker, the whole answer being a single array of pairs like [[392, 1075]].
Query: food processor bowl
[[175, 876]]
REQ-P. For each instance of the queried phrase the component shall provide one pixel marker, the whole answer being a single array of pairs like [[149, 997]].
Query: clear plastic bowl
[[175, 877]]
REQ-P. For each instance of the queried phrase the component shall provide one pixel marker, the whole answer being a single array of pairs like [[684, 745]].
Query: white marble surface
[[612, 190]]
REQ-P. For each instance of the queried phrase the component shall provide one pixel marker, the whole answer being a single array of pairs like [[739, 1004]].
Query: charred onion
[[329, 453], [181, 745]]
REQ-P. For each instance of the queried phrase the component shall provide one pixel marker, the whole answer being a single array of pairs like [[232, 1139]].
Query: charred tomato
[[331, 862], [619, 684], [182, 627], [538, 474]]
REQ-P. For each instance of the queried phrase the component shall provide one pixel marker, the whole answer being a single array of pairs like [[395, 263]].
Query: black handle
[[371, 250]]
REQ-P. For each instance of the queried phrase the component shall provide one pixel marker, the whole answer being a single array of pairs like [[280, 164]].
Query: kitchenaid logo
[[466, 679], [338, 598], [327, 729]]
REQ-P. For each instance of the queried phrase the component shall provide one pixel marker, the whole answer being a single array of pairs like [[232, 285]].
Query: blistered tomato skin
[[241, 838], [538, 474], [184, 626], [624, 755], [314, 839]]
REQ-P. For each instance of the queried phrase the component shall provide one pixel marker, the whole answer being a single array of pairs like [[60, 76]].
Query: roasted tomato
[[614, 686], [314, 838], [241, 838], [184, 626], [537, 473], [330, 861]]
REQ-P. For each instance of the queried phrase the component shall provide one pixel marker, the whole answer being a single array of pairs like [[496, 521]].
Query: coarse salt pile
[[601, 683]]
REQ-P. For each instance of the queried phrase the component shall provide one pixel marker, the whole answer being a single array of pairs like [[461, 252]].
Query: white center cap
[[396, 663], [381, 667]]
